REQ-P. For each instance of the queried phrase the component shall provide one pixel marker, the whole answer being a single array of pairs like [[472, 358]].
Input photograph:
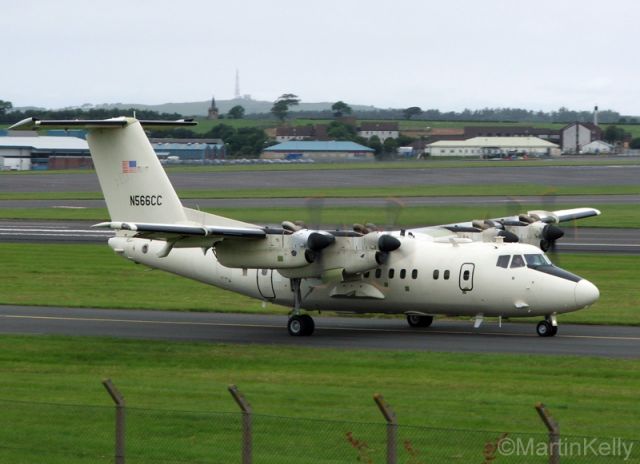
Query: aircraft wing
[[176, 232], [548, 217]]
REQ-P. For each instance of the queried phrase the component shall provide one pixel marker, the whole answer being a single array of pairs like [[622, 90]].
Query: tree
[[337, 130], [613, 134], [635, 143], [340, 108], [237, 112], [412, 111], [281, 106], [390, 146], [5, 106], [375, 144]]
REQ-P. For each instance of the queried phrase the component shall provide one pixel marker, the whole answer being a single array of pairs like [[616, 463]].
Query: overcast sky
[[448, 55]]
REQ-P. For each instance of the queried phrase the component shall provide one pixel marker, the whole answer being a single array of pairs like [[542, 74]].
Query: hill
[[200, 108]]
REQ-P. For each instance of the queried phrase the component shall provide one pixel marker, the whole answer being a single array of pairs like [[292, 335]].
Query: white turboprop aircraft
[[480, 269]]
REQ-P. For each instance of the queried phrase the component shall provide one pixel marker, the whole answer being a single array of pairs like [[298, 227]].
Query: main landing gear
[[417, 320], [299, 324], [548, 327]]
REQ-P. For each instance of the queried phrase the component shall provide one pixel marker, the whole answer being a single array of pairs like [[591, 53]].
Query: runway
[[581, 239], [483, 200], [614, 174], [331, 332]]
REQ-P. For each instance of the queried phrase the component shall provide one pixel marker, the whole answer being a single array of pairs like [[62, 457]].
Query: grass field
[[622, 215], [590, 396], [410, 164], [507, 190], [93, 276]]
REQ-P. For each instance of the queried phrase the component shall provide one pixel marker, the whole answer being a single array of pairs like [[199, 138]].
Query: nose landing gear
[[548, 327]]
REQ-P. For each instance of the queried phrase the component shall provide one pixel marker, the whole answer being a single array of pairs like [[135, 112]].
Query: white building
[[575, 136], [383, 130], [493, 147], [596, 147], [34, 152]]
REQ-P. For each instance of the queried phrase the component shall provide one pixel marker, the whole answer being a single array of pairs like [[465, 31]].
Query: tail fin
[[134, 184]]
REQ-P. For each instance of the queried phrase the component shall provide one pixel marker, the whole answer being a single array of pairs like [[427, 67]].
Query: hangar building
[[493, 147], [43, 152], [318, 151]]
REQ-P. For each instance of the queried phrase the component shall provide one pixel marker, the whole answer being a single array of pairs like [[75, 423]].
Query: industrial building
[[493, 147], [318, 151], [189, 150], [35, 152], [575, 136]]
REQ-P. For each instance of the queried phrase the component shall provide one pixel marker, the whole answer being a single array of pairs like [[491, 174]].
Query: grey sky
[[448, 55]]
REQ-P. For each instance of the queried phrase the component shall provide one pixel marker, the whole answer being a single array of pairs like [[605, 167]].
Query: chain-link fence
[[69, 434]]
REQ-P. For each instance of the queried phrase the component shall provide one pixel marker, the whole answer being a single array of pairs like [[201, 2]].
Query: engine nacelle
[[275, 251]]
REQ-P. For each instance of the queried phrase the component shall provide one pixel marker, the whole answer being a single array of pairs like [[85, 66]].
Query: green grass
[[360, 192], [400, 164], [93, 276], [613, 215], [589, 396]]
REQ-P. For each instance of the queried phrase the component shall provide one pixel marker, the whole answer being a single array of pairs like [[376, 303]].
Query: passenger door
[[264, 278], [466, 277]]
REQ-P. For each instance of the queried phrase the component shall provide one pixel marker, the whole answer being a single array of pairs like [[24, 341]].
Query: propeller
[[386, 244]]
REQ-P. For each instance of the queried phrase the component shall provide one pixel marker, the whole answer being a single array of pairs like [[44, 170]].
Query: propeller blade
[[318, 241], [388, 243]]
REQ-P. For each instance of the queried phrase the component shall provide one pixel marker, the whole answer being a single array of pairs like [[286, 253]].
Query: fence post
[[118, 399], [554, 433], [247, 433], [392, 427]]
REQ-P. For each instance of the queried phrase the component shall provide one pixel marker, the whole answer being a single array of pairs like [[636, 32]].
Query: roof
[[44, 143], [501, 131], [598, 143], [379, 126], [315, 145], [507, 142], [299, 131], [187, 141]]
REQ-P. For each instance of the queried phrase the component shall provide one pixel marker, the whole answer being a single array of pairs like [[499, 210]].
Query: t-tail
[[135, 186]]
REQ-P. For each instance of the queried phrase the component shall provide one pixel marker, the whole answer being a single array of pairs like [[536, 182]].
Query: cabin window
[[414, 274], [503, 261], [378, 273], [446, 275], [403, 273], [534, 261], [436, 274], [366, 275], [465, 275], [517, 261], [391, 273]]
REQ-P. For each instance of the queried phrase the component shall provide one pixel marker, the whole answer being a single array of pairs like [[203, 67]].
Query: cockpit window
[[534, 261], [503, 261], [517, 261]]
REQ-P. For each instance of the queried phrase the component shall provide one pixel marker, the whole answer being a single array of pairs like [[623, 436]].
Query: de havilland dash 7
[[489, 268]]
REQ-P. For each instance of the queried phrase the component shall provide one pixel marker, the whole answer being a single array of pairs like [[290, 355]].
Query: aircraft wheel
[[300, 325], [545, 329], [415, 320]]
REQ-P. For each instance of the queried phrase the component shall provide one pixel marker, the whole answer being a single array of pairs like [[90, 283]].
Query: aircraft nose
[[586, 293]]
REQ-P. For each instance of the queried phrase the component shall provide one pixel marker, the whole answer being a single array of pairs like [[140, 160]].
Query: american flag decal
[[129, 167]]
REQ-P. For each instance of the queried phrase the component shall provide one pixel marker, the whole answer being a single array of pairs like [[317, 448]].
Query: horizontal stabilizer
[[113, 123], [173, 231]]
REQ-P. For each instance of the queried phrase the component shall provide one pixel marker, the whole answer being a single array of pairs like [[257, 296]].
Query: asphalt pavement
[[543, 175], [331, 332], [579, 239]]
